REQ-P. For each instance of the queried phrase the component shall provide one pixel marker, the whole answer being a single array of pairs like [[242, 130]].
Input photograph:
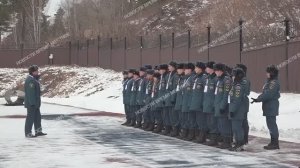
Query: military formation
[[206, 103]]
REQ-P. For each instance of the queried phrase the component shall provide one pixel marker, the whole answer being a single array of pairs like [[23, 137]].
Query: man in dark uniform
[[148, 115], [270, 105], [33, 103], [169, 101], [187, 117], [247, 83], [175, 117], [155, 108], [197, 102], [127, 95], [140, 97], [237, 108], [221, 105], [208, 104], [124, 83], [161, 93], [133, 97]]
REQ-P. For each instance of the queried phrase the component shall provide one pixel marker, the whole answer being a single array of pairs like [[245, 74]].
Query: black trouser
[[33, 117]]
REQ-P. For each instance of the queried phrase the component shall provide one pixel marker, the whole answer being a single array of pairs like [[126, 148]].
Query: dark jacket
[[198, 92], [221, 95], [170, 88], [32, 92], [269, 98], [179, 83], [127, 91], [162, 91], [187, 92], [237, 100], [209, 94], [134, 91], [141, 91]]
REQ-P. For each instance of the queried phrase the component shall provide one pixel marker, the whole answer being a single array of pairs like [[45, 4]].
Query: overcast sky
[[52, 7]]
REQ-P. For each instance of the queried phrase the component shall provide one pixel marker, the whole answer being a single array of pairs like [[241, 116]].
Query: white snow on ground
[[101, 90]]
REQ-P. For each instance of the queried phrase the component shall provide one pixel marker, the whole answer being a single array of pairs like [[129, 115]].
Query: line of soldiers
[[204, 102]]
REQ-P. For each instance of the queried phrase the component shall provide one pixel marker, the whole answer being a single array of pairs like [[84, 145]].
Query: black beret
[[136, 73], [131, 71], [148, 66], [180, 66], [173, 64], [220, 67], [143, 69], [163, 66], [189, 66], [210, 64], [201, 65], [150, 71]]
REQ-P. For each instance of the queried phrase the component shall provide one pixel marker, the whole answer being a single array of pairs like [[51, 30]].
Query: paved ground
[[101, 141]]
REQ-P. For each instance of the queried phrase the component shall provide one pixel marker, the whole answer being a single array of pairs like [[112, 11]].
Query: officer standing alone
[[33, 103], [270, 105]]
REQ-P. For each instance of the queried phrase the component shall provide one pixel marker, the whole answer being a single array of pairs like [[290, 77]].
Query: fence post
[[241, 38], [159, 53], [110, 55], [21, 52], [70, 53], [208, 41], [173, 39], [141, 52], [78, 48], [287, 39], [125, 53], [87, 52], [98, 50], [189, 44]]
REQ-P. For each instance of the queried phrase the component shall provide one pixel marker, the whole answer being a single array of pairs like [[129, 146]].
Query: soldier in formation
[[206, 103]]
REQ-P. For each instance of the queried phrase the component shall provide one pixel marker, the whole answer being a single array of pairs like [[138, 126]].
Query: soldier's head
[[125, 74], [150, 74], [156, 76], [33, 70], [172, 66], [130, 73], [243, 67], [237, 74], [210, 67], [156, 68], [188, 68], [272, 72], [163, 68], [219, 69], [136, 74], [148, 66], [142, 71], [200, 67], [180, 68], [228, 70]]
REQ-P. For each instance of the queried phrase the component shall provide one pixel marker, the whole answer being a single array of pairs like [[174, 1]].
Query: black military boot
[[238, 147], [158, 128], [191, 135], [167, 130], [127, 122], [145, 125], [40, 133], [138, 124], [213, 140], [30, 135], [174, 132], [150, 127], [132, 123], [183, 134], [226, 144], [273, 145], [201, 137]]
